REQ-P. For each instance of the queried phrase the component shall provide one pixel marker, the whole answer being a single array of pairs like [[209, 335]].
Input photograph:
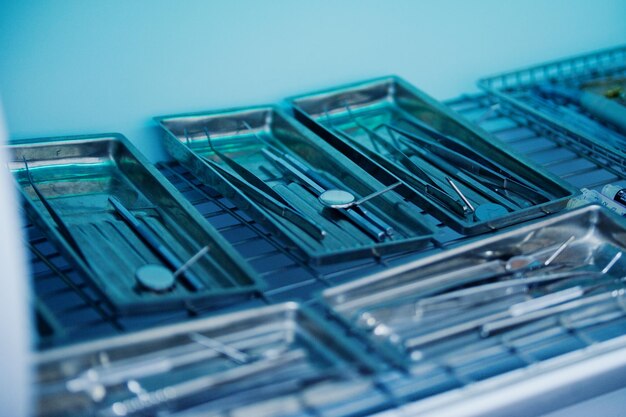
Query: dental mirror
[[341, 199], [155, 278], [490, 211]]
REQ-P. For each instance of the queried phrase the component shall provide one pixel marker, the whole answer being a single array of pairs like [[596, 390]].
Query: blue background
[[82, 66]]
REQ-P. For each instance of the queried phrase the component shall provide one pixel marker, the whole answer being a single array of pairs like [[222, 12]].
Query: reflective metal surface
[[271, 361], [112, 214], [273, 167], [416, 139], [483, 306]]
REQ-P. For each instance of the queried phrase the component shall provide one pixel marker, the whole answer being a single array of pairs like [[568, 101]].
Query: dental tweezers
[[286, 163], [365, 220], [271, 204], [481, 172], [426, 187]]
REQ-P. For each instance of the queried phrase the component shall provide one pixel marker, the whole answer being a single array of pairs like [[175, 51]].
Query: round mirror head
[[155, 278], [520, 262], [490, 211], [336, 198]]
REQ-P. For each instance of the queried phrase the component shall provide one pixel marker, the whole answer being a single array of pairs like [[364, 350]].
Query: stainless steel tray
[[278, 172], [69, 196], [425, 145], [497, 304], [271, 361], [520, 89]]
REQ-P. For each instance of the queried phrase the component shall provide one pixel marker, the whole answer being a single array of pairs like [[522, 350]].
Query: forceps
[[481, 172], [319, 185], [263, 194], [309, 226], [484, 211], [321, 188], [421, 181], [160, 249], [147, 401]]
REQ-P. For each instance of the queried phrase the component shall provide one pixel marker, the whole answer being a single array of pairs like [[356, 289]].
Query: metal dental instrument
[[262, 193], [216, 265], [286, 212], [432, 191], [501, 324], [560, 250], [612, 262], [547, 300], [364, 223], [460, 194], [154, 277], [514, 266], [227, 350], [244, 173], [488, 212], [499, 268], [150, 400], [447, 141], [290, 382], [367, 221], [475, 163], [459, 147], [442, 282], [195, 258], [315, 182], [152, 241], [456, 171], [593, 315], [394, 151], [468, 295], [340, 199], [406, 311], [427, 187], [53, 213], [473, 166], [276, 388]]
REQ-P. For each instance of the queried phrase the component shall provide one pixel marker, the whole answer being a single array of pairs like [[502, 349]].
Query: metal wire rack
[[77, 314], [583, 67], [515, 89]]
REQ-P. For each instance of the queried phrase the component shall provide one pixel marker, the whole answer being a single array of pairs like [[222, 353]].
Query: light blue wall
[[69, 67]]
